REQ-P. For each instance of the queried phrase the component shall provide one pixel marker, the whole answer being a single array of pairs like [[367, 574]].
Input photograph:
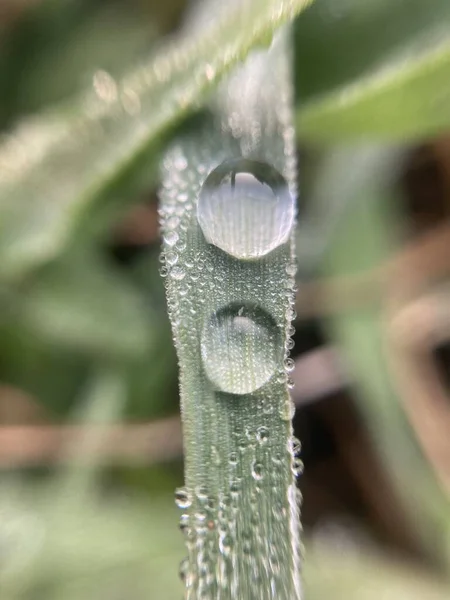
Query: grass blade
[[241, 516]]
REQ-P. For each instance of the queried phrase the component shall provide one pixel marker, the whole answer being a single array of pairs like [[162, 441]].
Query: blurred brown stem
[[123, 444]]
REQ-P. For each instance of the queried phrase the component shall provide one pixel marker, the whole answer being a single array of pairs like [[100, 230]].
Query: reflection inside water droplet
[[245, 208], [240, 348]]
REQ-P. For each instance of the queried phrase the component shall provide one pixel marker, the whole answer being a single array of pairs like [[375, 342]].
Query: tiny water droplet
[[184, 522], [202, 493], [262, 434], [177, 273], [235, 487], [225, 544], [295, 446], [240, 348], [245, 208], [233, 458], [297, 467], [182, 498], [291, 269], [184, 569], [257, 471], [171, 258], [171, 238], [289, 365], [172, 223]]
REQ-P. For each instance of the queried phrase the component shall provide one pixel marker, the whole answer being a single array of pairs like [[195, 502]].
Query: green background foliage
[[75, 313]]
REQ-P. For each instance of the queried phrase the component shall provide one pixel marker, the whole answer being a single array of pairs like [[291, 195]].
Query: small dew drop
[[172, 223], [184, 569], [289, 365], [240, 349], [201, 493], [257, 471], [171, 258], [297, 467], [245, 208], [295, 446], [225, 544], [184, 522], [233, 459], [235, 487], [177, 273], [182, 498], [171, 238], [262, 434]]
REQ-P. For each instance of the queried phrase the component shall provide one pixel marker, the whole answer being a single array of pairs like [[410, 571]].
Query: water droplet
[[184, 569], [202, 493], [184, 522], [171, 258], [262, 434], [240, 348], [235, 487], [297, 467], [245, 208], [289, 365], [171, 238], [233, 458], [172, 223], [257, 471], [225, 544], [182, 498], [295, 446], [177, 273], [291, 269]]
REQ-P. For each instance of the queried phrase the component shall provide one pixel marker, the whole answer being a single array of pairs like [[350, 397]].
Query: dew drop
[[240, 348], [182, 498], [262, 434], [184, 569], [184, 522], [171, 258], [233, 458], [257, 471], [172, 223], [225, 544], [289, 365], [297, 466], [291, 269], [177, 273], [171, 238], [245, 208]]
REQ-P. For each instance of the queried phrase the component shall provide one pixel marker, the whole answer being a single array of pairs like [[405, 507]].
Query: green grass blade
[[241, 519], [378, 68]]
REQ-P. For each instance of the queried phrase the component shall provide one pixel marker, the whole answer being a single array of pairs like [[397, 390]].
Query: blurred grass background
[[90, 436]]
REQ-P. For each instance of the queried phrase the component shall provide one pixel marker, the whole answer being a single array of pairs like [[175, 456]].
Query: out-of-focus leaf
[[53, 376], [56, 48], [79, 310], [363, 241], [331, 194], [54, 169], [82, 304], [356, 575], [100, 545], [378, 68]]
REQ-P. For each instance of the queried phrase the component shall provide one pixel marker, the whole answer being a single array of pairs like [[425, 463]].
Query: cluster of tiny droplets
[[220, 545]]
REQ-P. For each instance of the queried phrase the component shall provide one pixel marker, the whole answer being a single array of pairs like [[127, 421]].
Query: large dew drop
[[240, 348], [245, 208]]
